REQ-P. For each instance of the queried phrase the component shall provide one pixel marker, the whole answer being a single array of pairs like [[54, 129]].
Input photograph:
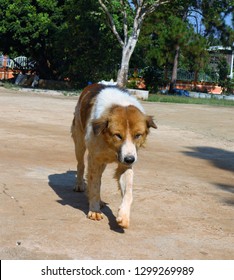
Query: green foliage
[[195, 56], [224, 81], [169, 27], [160, 36], [228, 86], [154, 79], [89, 52], [71, 38], [29, 28], [223, 69], [26, 22], [214, 15], [67, 38]]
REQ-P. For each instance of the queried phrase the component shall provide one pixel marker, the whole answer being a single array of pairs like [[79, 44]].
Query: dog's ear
[[99, 125], [150, 122]]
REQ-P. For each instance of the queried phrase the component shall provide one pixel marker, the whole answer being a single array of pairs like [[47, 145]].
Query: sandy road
[[183, 192]]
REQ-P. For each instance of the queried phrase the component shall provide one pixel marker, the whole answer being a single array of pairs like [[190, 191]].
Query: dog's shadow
[[63, 185]]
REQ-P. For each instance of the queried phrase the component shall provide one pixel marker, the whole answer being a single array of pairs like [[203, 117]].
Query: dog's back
[[85, 104]]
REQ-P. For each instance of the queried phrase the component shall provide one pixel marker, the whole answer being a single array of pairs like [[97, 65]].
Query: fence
[[182, 75], [20, 62], [8, 66]]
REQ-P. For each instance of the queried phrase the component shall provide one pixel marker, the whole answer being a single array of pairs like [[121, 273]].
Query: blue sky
[[229, 19]]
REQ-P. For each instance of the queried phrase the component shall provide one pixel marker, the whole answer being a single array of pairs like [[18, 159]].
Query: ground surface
[[183, 193]]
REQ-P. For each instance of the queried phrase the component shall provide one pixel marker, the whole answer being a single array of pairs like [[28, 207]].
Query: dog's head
[[124, 129]]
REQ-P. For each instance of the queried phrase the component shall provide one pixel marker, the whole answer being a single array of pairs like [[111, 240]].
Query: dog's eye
[[118, 136], [137, 136]]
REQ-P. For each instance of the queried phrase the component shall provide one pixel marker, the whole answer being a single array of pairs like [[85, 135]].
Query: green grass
[[9, 85], [188, 100]]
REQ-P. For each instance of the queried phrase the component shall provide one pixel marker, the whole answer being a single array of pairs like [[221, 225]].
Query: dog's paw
[[79, 188], [123, 220], [96, 216], [124, 223]]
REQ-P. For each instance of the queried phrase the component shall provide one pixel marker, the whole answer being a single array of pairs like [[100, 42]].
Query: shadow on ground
[[63, 185], [221, 159], [229, 189]]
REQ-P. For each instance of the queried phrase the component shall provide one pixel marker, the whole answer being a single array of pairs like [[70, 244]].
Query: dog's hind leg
[[80, 148], [80, 151], [124, 176]]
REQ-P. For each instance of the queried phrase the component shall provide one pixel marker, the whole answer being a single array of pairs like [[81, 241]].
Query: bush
[[153, 79], [224, 81]]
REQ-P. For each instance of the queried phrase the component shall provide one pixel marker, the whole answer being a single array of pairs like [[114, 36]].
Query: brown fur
[[114, 137]]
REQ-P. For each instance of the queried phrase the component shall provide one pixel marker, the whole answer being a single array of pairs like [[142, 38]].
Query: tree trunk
[[140, 9], [174, 71], [165, 74], [127, 51], [122, 77], [195, 78]]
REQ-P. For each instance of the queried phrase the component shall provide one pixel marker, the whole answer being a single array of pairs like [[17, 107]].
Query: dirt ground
[[183, 186]]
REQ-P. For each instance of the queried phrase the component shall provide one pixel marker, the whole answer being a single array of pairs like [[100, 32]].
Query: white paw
[[123, 219]]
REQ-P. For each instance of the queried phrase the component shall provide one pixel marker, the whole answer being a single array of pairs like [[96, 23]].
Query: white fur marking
[[128, 149], [113, 96]]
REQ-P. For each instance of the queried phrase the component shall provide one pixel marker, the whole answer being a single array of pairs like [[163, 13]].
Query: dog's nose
[[129, 159]]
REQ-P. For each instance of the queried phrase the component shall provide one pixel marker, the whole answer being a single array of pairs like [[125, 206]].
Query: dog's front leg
[[125, 177], [95, 170]]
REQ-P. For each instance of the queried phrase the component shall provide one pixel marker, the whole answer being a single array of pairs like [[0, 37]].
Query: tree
[[173, 32], [224, 81], [179, 41], [71, 38], [214, 15], [213, 19], [165, 35], [86, 46], [67, 38], [125, 19], [196, 54], [29, 29]]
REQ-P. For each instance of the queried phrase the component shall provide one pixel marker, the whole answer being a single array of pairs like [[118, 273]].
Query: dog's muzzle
[[126, 159], [127, 154], [129, 159]]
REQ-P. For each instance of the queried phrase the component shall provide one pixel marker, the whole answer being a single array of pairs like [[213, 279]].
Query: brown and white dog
[[111, 125]]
